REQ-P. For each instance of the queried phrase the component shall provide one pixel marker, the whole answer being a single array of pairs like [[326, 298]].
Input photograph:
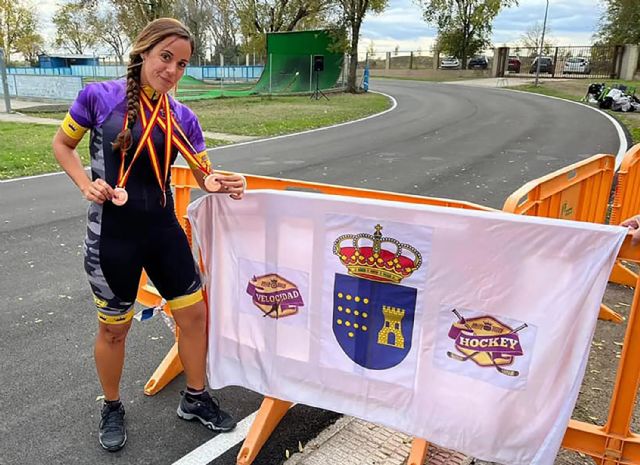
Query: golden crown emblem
[[364, 256]]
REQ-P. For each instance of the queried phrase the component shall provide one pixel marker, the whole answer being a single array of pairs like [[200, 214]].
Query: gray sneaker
[[113, 433], [205, 409]]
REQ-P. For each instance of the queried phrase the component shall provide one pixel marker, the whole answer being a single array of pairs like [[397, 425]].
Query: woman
[[136, 129]]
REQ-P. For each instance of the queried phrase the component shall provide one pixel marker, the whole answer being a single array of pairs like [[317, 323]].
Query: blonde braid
[[124, 139]]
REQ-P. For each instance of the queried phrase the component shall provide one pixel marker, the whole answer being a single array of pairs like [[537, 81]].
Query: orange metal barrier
[[577, 192], [183, 181], [626, 203], [614, 443]]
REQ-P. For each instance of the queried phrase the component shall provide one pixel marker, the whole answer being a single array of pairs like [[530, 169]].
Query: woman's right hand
[[633, 224], [98, 191]]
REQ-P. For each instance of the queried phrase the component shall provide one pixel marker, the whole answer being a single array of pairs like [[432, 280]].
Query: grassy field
[[26, 148], [575, 89], [269, 116]]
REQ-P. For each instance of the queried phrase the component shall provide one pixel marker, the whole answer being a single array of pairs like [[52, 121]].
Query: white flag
[[468, 329]]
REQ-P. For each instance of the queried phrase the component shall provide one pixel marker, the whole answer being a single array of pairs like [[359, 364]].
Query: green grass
[[215, 142], [544, 90], [633, 125], [26, 150], [270, 116]]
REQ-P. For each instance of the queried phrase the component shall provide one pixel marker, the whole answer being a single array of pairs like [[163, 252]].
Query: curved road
[[442, 140], [475, 144]]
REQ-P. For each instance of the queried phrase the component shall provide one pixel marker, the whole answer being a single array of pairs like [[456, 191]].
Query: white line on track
[[26, 178], [621, 135], [393, 107], [394, 104], [217, 446]]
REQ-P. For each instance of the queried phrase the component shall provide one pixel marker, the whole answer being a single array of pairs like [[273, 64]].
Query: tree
[[620, 23], [532, 36], [133, 15], [353, 12], [259, 17], [223, 29], [196, 15], [371, 48], [30, 46], [103, 25], [71, 22], [464, 26], [18, 26]]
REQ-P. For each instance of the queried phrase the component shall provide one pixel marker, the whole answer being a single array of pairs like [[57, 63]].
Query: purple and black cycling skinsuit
[[143, 233]]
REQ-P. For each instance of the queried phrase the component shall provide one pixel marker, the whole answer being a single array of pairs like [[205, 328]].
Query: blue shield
[[373, 321]]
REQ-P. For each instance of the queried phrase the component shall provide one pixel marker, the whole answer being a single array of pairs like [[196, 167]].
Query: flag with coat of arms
[[468, 329]]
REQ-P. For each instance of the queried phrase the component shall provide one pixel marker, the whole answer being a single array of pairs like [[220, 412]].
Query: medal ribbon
[[123, 175], [153, 156], [190, 152]]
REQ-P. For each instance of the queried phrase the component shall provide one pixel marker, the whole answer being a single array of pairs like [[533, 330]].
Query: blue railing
[[41, 71], [228, 73]]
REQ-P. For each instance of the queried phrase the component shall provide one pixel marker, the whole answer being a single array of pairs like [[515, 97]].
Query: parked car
[[450, 63], [478, 62], [577, 65], [514, 63], [546, 65]]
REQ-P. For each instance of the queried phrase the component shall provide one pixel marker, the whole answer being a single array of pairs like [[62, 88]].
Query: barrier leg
[[269, 415], [419, 450], [620, 274], [607, 314], [169, 368], [614, 443]]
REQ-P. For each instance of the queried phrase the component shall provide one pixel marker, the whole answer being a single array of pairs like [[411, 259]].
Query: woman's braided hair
[[155, 32]]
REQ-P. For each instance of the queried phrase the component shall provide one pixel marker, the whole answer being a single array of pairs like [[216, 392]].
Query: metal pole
[[5, 83], [544, 26], [270, 70]]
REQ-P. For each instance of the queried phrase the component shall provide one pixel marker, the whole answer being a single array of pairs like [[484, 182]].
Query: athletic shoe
[[113, 433], [205, 409]]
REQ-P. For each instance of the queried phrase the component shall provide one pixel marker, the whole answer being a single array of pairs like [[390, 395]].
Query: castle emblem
[[487, 342], [372, 312], [275, 295]]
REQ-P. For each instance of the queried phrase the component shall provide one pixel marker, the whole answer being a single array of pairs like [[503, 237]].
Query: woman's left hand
[[232, 184]]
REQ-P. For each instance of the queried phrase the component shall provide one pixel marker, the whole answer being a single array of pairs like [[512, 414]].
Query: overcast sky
[[571, 22]]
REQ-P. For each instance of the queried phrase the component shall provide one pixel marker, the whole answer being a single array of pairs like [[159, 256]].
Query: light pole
[[5, 84], [544, 27]]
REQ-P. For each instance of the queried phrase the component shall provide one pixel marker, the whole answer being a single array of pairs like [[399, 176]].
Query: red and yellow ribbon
[[188, 152], [167, 125], [123, 175]]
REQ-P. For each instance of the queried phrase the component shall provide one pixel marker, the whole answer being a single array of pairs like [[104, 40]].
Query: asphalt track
[[465, 143]]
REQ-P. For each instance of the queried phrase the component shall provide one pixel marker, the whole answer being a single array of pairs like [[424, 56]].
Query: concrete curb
[[351, 441]]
